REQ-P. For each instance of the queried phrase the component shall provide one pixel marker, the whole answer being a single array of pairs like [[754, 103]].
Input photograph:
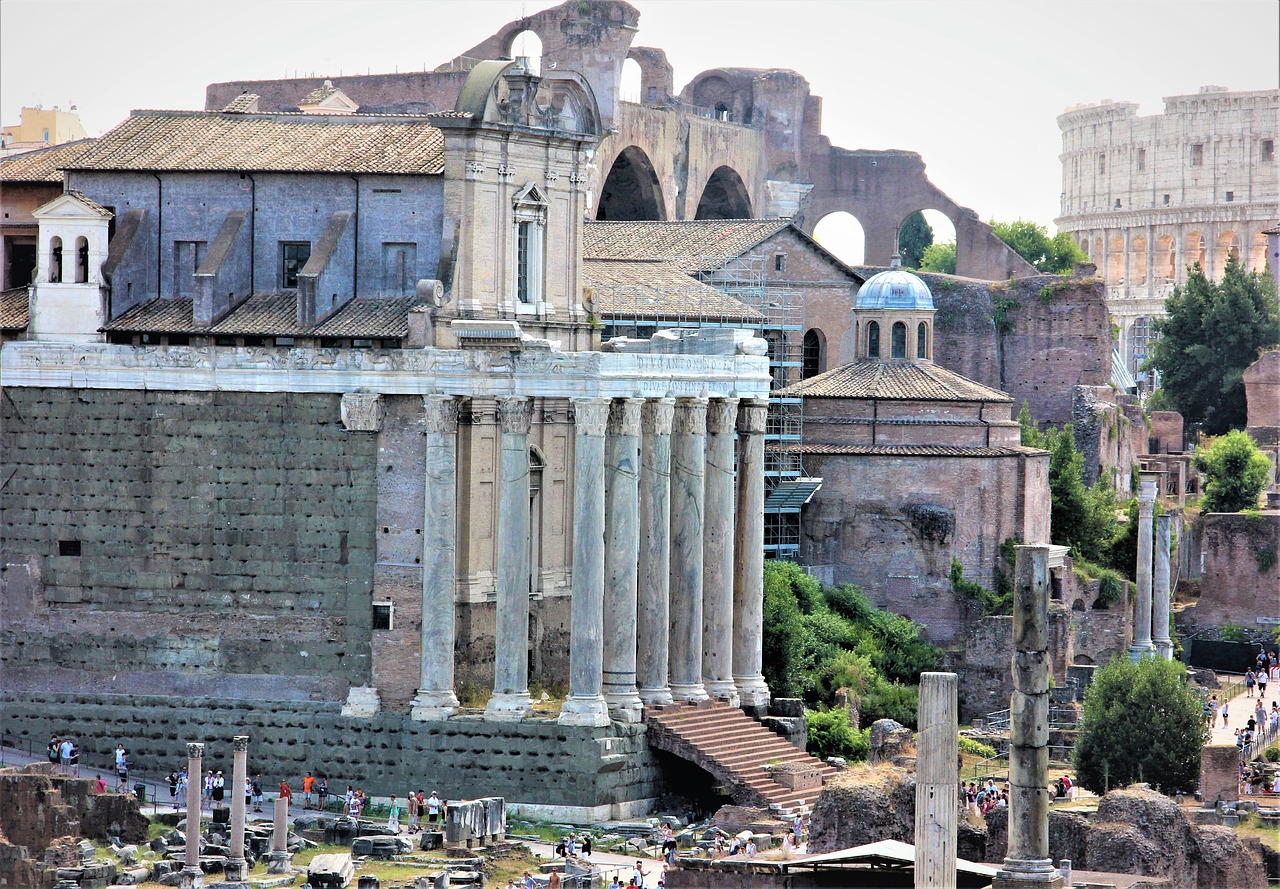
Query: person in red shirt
[[286, 792], [308, 786]]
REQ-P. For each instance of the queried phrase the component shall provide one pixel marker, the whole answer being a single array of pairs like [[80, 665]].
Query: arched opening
[[1098, 257], [922, 340], [527, 45], [55, 260], [1084, 247], [811, 354], [632, 79], [631, 191], [873, 339], [842, 234], [921, 230], [1165, 261], [1138, 260], [1228, 246], [1258, 253], [1141, 335], [724, 197], [1193, 252], [1115, 260], [536, 465], [1077, 605], [899, 340]]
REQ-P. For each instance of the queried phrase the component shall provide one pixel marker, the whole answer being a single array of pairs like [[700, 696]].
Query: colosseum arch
[[631, 192], [1165, 260], [1258, 253], [1228, 245], [1115, 260], [1194, 250], [1138, 260], [724, 197]]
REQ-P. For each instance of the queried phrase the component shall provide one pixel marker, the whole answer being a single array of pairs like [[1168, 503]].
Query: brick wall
[[1235, 588]]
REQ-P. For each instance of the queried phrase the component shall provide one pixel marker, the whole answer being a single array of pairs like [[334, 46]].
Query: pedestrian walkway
[[1240, 707]]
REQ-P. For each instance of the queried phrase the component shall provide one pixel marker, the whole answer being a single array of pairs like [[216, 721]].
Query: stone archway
[[631, 192], [724, 197]]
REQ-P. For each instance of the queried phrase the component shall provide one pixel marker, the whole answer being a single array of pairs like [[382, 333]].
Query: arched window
[[536, 465], [899, 340], [55, 260], [873, 340], [922, 340], [811, 355], [82, 260]]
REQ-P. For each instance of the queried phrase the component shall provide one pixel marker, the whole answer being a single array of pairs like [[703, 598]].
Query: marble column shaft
[[653, 613], [237, 868], [1142, 605], [748, 559], [280, 825], [1160, 593], [510, 698], [621, 557], [717, 553], [937, 782], [586, 704], [195, 782], [688, 467], [435, 698], [1028, 858]]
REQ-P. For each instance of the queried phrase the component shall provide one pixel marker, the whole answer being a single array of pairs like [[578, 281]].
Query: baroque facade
[[1148, 196]]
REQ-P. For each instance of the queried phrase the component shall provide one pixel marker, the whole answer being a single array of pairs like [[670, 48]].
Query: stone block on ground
[[333, 871]]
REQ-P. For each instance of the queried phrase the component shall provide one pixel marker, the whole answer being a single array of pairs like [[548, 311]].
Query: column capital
[[195, 751], [624, 416], [590, 415], [240, 743], [753, 414], [690, 416], [656, 416], [441, 413], [722, 413], [515, 414]]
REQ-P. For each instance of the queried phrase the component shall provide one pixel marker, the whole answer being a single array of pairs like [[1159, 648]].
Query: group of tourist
[[574, 846], [64, 755], [983, 798], [421, 809]]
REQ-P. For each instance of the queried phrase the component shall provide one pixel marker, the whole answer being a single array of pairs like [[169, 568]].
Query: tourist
[[553, 880], [286, 794], [173, 787], [101, 784], [219, 787], [1224, 713], [435, 808], [393, 815], [586, 846], [257, 793], [122, 775], [54, 748], [182, 789], [1262, 682], [1275, 787], [75, 760], [638, 874], [1250, 679], [751, 847], [248, 792], [526, 882], [412, 802], [65, 750], [615, 883], [322, 791], [348, 799], [308, 788], [206, 790], [120, 755]]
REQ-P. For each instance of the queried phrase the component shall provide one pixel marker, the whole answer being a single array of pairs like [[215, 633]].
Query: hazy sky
[[973, 85]]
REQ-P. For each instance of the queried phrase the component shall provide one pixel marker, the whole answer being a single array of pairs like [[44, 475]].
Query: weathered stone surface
[[864, 804], [889, 740]]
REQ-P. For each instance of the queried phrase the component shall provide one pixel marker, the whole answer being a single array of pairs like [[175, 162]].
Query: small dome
[[894, 289]]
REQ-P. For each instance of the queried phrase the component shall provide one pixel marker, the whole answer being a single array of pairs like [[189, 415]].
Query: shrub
[[977, 748], [830, 734], [989, 602], [891, 700], [1272, 753]]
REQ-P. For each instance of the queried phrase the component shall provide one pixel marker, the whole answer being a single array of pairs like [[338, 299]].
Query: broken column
[[1161, 593], [236, 869], [192, 877], [937, 783], [280, 861], [1027, 863], [1142, 646]]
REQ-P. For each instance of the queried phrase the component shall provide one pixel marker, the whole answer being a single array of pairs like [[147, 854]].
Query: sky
[[974, 86]]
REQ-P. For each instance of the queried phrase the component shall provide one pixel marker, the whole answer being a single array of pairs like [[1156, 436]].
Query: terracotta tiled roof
[[318, 95], [15, 309], [90, 204], [42, 164], [273, 314], [896, 380], [906, 450], [700, 245], [203, 140], [658, 290], [263, 314], [371, 318], [157, 316], [245, 102]]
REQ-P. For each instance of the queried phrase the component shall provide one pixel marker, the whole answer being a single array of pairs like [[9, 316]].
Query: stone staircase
[[734, 748]]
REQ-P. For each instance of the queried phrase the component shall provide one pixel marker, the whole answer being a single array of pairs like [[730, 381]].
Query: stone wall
[[533, 761], [1239, 554], [1111, 431]]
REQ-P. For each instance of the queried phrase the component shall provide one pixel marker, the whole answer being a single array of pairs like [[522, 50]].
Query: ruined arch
[[629, 85], [1165, 260], [1138, 260], [526, 44], [1115, 260], [1194, 251], [724, 196], [842, 233], [1228, 245], [943, 226], [1258, 253], [631, 192]]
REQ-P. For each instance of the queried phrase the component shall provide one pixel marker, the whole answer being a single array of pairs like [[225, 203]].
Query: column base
[[280, 863], [432, 706], [656, 697], [236, 870], [1028, 873], [191, 878], [752, 690], [1138, 651], [723, 690], [584, 710], [1164, 649], [624, 706], [508, 706], [694, 692], [362, 701]]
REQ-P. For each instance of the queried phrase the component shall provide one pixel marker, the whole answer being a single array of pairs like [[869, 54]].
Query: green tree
[[830, 734], [1209, 335], [1082, 518], [1127, 705], [915, 236], [783, 631], [1031, 241], [939, 258], [1236, 472]]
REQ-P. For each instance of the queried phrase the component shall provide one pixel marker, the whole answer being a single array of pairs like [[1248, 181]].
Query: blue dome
[[894, 289]]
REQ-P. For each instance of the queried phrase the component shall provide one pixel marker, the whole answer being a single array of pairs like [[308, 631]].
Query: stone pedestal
[[717, 553], [192, 877], [653, 612], [937, 783], [1142, 646], [1219, 774], [585, 704], [435, 699], [237, 869], [621, 555], [688, 466], [362, 701], [510, 698], [280, 860], [748, 559], [1161, 592]]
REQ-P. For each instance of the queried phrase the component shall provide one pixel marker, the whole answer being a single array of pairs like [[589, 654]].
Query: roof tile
[[697, 245], [647, 289], [898, 380], [273, 314], [15, 308], [41, 165]]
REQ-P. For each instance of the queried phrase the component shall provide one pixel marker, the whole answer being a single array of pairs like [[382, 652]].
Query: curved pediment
[[505, 92]]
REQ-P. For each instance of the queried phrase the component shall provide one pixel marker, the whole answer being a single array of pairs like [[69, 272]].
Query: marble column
[[717, 553], [511, 646], [937, 782], [1027, 862], [280, 859], [653, 612], [748, 559], [621, 556], [688, 467], [1160, 593], [585, 704], [236, 869], [192, 877], [1142, 646]]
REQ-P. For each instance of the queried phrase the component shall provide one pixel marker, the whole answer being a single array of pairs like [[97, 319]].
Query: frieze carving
[[690, 417], [753, 414], [361, 412], [441, 413], [624, 416], [515, 415], [590, 415], [722, 414], [657, 415]]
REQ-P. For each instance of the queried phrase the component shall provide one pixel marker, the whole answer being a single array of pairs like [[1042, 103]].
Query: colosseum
[[1147, 196]]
